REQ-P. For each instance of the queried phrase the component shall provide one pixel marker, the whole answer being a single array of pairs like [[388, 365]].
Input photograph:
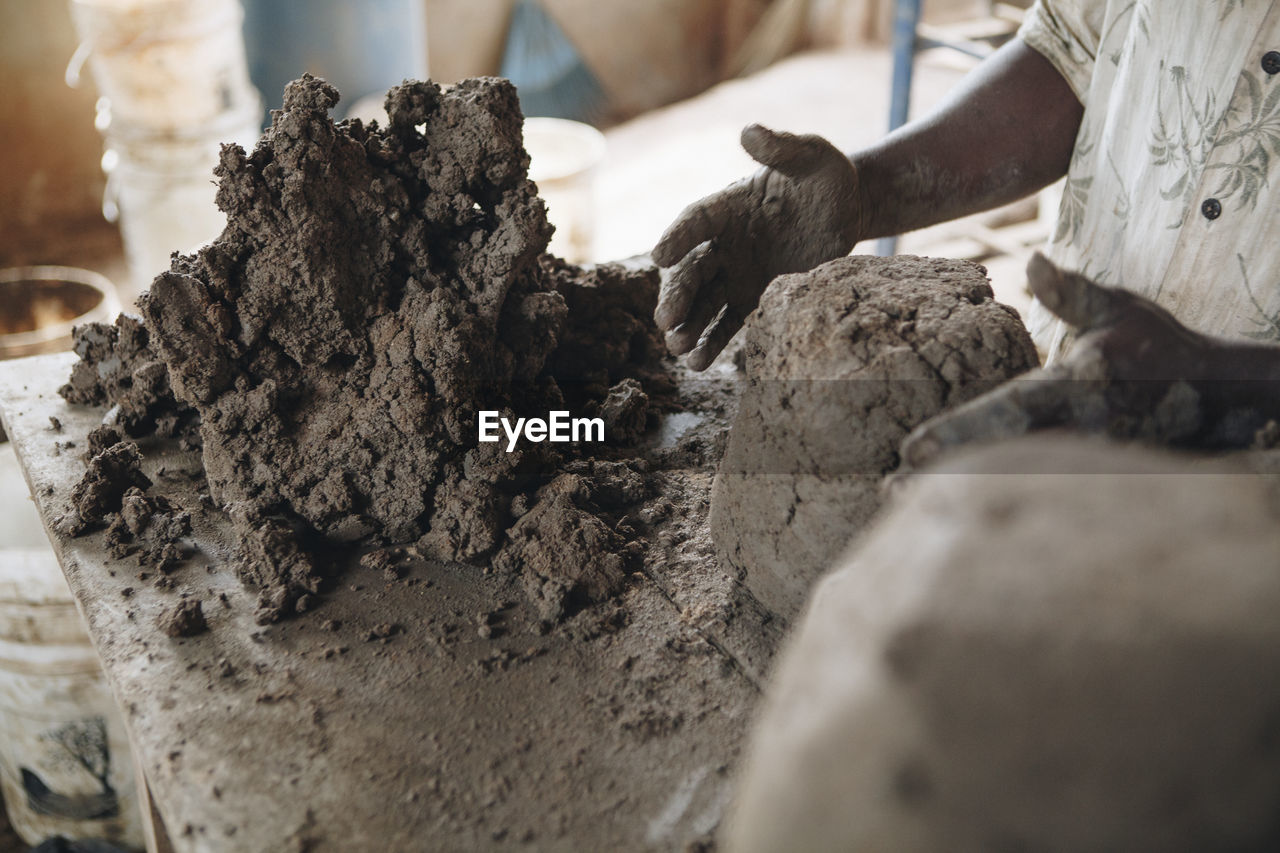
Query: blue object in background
[[906, 18], [549, 73], [363, 47]]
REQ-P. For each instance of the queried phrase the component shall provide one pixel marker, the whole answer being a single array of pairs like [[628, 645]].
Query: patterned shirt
[[1174, 185]]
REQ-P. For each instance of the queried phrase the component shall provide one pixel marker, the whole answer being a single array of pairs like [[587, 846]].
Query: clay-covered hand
[[799, 211], [1134, 373]]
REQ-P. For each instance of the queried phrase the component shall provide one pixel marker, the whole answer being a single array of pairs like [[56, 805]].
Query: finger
[[686, 336], [682, 285], [1073, 297], [699, 222], [1037, 401], [716, 339], [793, 155]]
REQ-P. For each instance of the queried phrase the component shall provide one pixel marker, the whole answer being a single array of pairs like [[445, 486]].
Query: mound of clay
[[1045, 645], [374, 290], [842, 362]]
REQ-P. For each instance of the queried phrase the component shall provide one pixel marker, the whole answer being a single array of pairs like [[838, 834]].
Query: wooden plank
[[617, 729]]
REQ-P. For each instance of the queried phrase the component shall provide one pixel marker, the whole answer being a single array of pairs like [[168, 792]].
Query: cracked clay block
[[1049, 644], [842, 362]]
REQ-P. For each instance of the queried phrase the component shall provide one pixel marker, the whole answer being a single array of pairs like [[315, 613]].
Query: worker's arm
[[1007, 131], [1134, 373]]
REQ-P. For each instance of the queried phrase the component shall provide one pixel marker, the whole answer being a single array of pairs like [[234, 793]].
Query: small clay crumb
[[487, 625], [185, 620], [55, 424], [331, 624], [102, 437], [126, 592], [384, 632], [625, 411], [379, 559], [390, 561]]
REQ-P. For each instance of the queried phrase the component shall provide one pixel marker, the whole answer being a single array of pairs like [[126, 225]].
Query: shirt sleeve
[[1067, 33]]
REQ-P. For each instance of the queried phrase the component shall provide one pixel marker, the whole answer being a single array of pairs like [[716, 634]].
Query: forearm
[[1005, 132]]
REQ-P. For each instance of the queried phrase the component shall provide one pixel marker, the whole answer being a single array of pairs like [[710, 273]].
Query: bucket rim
[[18, 343]]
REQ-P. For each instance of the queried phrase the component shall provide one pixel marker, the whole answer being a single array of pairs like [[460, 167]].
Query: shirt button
[[1271, 62], [1212, 208]]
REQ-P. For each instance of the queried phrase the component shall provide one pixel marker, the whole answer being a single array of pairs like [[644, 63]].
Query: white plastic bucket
[[563, 156], [165, 66], [174, 85], [65, 766], [162, 192]]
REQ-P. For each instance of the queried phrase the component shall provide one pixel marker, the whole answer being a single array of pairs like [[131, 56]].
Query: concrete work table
[[425, 712]]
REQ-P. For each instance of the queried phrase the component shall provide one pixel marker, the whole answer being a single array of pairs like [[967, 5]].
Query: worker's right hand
[[1134, 372], [797, 212]]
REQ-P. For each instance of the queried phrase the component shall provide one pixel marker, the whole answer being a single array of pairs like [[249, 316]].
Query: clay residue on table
[[375, 288]]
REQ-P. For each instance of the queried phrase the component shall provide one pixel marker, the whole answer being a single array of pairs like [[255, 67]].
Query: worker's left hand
[[1135, 373]]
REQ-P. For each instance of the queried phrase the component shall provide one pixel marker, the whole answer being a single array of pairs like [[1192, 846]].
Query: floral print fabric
[[1173, 190]]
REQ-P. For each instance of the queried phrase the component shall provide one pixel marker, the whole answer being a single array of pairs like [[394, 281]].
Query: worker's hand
[[799, 211], [1135, 372]]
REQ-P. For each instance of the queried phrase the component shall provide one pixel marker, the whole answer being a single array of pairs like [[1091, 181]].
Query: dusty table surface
[[462, 727]]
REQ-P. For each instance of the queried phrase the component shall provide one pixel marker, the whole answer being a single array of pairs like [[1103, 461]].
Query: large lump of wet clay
[[374, 290], [1046, 646], [842, 362]]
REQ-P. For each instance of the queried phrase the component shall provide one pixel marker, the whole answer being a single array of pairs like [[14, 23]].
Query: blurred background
[[114, 109]]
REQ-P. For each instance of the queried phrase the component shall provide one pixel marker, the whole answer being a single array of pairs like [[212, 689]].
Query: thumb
[[1073, 297], [791, 154]]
